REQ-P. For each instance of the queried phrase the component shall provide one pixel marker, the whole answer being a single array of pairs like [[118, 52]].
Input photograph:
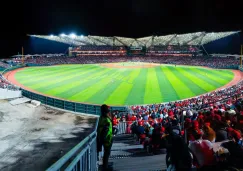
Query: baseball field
[[122, 83]]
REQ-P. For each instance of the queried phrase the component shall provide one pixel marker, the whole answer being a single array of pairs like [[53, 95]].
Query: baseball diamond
[[127, 83]]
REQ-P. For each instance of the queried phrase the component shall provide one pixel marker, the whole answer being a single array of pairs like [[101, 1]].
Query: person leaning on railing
[[104, 134]]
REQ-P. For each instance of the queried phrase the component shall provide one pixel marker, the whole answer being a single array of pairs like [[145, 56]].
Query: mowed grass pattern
[[122, 86]]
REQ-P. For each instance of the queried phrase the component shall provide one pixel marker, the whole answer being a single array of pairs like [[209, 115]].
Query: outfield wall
[[67, 105]]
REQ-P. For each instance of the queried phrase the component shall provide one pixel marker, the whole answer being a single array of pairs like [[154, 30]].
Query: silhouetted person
[[104, 134], [178, 155]]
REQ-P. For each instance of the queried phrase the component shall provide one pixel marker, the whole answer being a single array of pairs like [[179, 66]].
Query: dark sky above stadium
[[130, 18]]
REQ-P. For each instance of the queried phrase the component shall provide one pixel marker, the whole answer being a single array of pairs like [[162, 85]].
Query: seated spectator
[[221, 133], [202, 150], [193, 131]]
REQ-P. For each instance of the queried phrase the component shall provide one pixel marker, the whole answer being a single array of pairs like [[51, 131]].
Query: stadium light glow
[[62, 35], [73, 35]]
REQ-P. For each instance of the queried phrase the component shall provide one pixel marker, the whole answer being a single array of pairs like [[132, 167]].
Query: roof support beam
[[167, 43], [120, 41], [194, 38]]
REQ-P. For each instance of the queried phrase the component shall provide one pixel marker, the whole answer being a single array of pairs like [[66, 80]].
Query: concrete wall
[[8, 94]]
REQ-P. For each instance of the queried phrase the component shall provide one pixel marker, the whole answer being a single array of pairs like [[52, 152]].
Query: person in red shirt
[[134, 118], [115, 123]]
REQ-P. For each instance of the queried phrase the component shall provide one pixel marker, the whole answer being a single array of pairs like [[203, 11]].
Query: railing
[[83, 157], [122, 128]]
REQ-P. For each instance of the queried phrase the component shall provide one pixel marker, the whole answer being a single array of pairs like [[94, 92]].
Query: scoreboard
[[136, 50]]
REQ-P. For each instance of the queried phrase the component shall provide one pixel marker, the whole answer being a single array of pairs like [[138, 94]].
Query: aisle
[[126, 155]]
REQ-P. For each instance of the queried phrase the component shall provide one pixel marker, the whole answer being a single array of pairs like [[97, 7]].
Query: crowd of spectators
[[76, 60], [208, 128], [193, 134], [99, 48], [6, 85], [214, 62], [4, 65], [172, 48]]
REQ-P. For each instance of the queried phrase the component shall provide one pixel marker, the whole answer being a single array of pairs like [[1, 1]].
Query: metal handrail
[[84, 144]]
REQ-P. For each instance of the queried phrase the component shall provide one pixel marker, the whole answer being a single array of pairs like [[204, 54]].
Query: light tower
[[22, 55]]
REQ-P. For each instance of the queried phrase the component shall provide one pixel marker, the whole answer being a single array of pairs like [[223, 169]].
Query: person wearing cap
[[104, 134]]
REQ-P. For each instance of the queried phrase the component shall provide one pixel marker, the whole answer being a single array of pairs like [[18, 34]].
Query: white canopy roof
[[198, 38]]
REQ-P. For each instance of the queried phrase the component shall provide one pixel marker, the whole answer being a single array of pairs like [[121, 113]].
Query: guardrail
[[122, 128], [82, 157]]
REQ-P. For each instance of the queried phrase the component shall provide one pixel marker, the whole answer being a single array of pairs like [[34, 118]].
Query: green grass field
[[96, 84]]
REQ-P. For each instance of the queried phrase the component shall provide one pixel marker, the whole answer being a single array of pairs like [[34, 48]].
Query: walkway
[[126, 155]]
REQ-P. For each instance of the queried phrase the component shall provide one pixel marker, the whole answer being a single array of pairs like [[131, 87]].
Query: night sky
[[129, 18]]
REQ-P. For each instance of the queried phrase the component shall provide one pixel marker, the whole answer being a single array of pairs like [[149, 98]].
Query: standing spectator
[[140, 131], [104, 134], [115, 123], [178, 155]]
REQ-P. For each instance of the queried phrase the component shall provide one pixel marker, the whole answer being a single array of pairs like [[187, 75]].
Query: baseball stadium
[[146, 83], [131, 74]]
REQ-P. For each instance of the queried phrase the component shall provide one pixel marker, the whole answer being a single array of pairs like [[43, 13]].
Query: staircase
[[128, 155]]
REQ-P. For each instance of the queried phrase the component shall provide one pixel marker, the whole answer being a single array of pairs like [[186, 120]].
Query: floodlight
[[62, 35], [72, 35]]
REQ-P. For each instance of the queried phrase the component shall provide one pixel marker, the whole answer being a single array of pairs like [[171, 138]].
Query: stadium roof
[[198, 38]]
